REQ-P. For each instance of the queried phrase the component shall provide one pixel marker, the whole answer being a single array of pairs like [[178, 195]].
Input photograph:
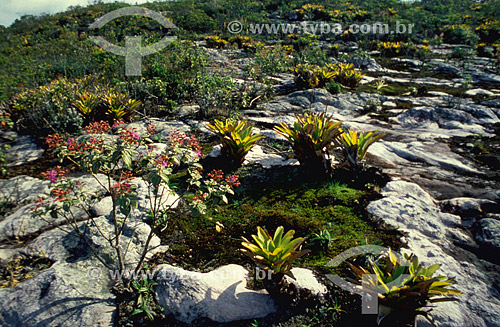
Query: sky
[[10, 10]]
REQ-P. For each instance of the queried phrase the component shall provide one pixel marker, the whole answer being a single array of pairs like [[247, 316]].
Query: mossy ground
[[214, 239], [288, 197]]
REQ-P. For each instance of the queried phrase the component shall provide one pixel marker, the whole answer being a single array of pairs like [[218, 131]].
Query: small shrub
[[313, 12], [310, 76], [334, 87], [313, 76], [321, 241], [170, 76], [398, 49], [214, 41], [463, 53], [119, 160], [47, 107], [345, 74], [312, 54], [145, 303], [236, 139], [460, 34], [273, 60], [489, 30], [301, 41], [214, 94], [3, 159], [236, 41], [99, 105]]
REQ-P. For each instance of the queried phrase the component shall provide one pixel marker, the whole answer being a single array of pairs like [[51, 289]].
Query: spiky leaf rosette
[[274, 253]]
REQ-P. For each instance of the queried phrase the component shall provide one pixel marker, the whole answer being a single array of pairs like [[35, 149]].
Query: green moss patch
[[214, 239]]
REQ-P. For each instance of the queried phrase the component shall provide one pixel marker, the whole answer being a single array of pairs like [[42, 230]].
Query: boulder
[[440, 65], [219, 295], [389, 104], [480, 76], [21, 190], [267, 160], [492, 103], [188, 110], [257, 156], [307, 284], [22, 223], [431, 153], [414, 63], [164, 128]]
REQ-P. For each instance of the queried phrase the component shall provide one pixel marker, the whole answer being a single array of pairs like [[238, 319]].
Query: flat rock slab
[[266, 160], [24, 150], [431, 153], [469, 119], [219, 295], [24, 190], [75, 290], [256, 155], [63, 295], [163, 127]]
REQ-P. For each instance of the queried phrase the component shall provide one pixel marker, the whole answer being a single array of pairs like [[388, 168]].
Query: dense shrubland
[[38, 49]]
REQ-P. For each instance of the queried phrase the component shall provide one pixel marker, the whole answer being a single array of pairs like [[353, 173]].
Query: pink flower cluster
[[129, 136], [200, 197], [178, 138], [54, 140], [73, 146], [218, 176], [53, 174]]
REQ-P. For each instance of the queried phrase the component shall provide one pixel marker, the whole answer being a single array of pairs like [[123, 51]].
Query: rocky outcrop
[[470, 119], [21, 150], [75, 290], [430, 235], [63, 295]]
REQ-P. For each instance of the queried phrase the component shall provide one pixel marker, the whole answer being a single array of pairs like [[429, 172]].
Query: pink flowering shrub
[[120, 158]]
